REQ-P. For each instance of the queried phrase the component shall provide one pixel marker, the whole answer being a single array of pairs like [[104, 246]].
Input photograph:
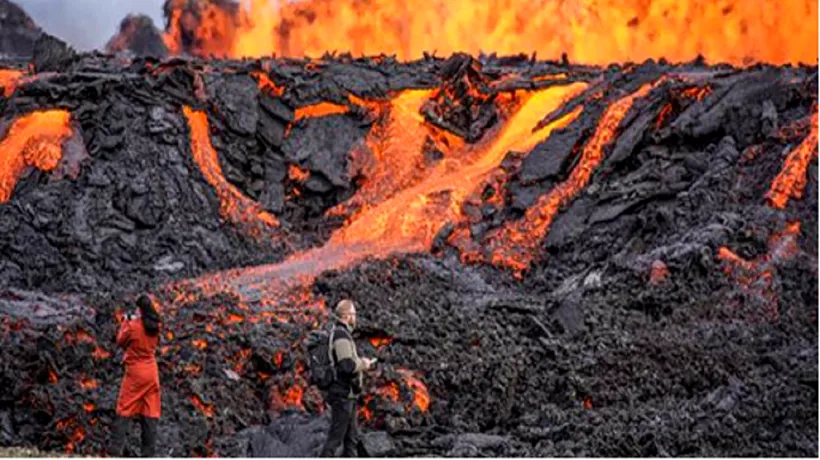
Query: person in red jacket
[[139, 394]]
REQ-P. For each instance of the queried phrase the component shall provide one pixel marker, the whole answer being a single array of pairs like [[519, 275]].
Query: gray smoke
[[88, 24]]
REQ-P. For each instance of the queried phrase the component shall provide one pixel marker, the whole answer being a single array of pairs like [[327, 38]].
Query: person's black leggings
[[148, 427], [344, 429]]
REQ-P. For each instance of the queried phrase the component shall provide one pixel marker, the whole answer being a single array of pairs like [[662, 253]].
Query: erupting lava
[[33, 140], [588, 31]]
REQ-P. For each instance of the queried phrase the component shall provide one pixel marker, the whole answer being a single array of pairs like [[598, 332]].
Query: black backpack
[[321, 366]]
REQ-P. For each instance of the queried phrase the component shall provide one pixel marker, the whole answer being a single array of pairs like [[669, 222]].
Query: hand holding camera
[[369, 362]]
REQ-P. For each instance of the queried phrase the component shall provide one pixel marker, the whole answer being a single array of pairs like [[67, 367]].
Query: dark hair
[[150, 317]]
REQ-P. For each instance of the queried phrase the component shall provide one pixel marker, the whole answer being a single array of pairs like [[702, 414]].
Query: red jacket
[[139, 393]]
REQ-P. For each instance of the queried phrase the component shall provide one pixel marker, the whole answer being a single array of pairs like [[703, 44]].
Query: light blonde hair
[[344, 307]]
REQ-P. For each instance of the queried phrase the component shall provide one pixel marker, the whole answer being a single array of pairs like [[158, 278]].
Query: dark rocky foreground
[[632, 333]]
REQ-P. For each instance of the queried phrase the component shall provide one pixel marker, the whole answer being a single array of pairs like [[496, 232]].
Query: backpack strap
[[330, 352]]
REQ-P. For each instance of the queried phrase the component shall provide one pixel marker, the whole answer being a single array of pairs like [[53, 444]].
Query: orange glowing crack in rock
[[740, 32], [233, 205], [322, 109], [756, 277], [206, 409], [408, 220], [267, 85], [514, 245], [34, 140], [791, 181]]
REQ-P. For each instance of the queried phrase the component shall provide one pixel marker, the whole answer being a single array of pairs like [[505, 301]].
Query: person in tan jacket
[[347, 386]]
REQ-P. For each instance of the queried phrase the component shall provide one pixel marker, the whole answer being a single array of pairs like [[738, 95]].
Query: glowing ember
[[379, 342], [421, 398], [206, 409], [33, 140], [89, 407], [297, 174], [233, 205], [587, 402], [234, 318], [293, 397], [697, 92], [84, 337], [76, 437], [390, 391], [199, 343], [514, 246], [100, 353], [757, 276], [589, 31], [659, 273], [88, 383], [52, 377], [192, 368], [792, 178]]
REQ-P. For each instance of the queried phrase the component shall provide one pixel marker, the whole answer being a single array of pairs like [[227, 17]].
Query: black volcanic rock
[[139, 35], [17, 31], [589, 352]]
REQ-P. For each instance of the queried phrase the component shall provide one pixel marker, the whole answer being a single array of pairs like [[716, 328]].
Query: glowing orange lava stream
[[408, 219], [233, 205], [514, 246], [792, 178], [33, 140]]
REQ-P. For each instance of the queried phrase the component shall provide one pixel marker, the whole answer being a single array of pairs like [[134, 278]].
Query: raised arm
[[124, 335]]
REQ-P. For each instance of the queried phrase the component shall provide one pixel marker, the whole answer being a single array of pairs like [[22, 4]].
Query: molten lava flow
[[588, 31], [408, 218], [233, 205], [395, 157], [34, 140], [756, 277], [8, 81], [792, 178], [514, 245]]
